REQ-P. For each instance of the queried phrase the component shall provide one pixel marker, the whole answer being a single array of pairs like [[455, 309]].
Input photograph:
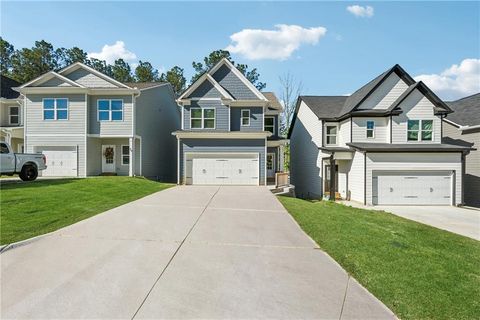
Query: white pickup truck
[[26, 165]]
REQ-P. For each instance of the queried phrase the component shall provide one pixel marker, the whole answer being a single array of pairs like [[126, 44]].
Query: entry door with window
[[108, 158], [270, 165]]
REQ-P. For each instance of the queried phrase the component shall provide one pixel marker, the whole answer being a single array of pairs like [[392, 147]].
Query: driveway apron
[[186, 252]]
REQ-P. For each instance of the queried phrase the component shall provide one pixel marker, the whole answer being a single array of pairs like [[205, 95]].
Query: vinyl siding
[[256, 119], [386, 94], [415, 107], [94, 156], [356, 177], [415, 161], [89, 80], [343, 170], [205, 90], [472, 162], [34, 143], [157, 116], [123, 127], [221, 113], [381, 134], [344, 133], [305, 158], [223, 146], [76, 115], [55, 82], [228, 80]]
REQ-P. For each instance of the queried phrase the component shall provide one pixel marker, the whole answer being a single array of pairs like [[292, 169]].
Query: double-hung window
[[420, 130], [270, 124], [125, 155], [202, 118], [331, 134], [14, 115], [245, 117], [55, 109], [110, 110], [370, 129]]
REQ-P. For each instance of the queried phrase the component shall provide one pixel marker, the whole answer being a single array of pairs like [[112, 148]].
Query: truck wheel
[[29, 173]]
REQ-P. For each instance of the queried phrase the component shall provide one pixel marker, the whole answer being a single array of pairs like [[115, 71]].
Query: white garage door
[[412, 188], [61, 161], [222, 169]]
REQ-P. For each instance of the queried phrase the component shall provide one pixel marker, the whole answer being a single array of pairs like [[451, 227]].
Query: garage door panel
[[61, 162], [222, 169], [412, 188]]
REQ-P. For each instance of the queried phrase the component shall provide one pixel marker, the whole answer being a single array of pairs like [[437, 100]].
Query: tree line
[[26, 64]]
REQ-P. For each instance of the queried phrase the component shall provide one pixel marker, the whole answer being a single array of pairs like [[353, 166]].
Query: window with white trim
[[202, 118], [14, 115], [55, 109], [245, 117], [110, 110], [370, 129], [331, 132], [269, 124], [420, 130], [125, 155]]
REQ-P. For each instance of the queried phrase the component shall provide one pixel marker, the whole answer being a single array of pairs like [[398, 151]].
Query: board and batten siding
[[472, 162], [445, 161], [157, 116], [75, 124], [121, 127], [256, 119], [356, 177], [305, 158], [381, 132], [36, 143], [415, 107], [221, 114], [386, 93], [88, 79], [223, 146], [228, 80]]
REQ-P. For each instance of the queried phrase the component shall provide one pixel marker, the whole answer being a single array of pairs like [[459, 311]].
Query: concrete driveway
[[465, 222], [186, 252]]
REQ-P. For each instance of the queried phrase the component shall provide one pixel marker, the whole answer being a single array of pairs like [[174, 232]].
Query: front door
[[270, 165], [108, 158], [326, 179]]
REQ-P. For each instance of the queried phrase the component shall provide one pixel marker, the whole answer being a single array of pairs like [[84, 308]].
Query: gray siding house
[[382, 145], [229, 132], [88, 124], [463, 127], [11, 112]]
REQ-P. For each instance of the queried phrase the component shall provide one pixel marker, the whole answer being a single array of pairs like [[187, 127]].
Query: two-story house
[[380, 145], [88, 124], [11, 111], [229, 132]]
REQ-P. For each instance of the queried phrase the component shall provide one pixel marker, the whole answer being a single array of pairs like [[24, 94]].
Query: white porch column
[[131, 163]]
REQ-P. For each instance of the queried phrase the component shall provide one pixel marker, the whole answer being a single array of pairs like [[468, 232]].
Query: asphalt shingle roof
[[466, 111], [6, 88], [143, 85], [325, 107], [272, 98], [407, 147]]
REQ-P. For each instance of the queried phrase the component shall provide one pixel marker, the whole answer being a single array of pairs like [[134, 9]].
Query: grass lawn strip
[[35, 208], [418, 271]]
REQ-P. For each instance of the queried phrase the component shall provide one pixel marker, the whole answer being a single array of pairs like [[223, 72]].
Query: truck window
[[4, 148]]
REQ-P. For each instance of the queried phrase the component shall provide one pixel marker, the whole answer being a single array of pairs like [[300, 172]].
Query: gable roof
[[208, 76], [466, 111], [49, 75], [272, 99], [78, 65], [6, 88], [359, 96]]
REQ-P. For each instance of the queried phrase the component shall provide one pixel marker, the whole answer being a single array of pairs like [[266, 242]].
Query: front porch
[[335, 170], [14, 137], [276, 163], [114, 156]]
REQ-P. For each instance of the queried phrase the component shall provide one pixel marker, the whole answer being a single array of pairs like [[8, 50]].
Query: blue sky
[[427, 38]]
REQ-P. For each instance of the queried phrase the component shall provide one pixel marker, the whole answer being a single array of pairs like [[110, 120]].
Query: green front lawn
[[418, 271], [34, 208]]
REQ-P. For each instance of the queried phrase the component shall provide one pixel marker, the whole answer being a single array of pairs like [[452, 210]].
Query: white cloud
[[455, 82], [110, 53], [278, 44], [359, 11]]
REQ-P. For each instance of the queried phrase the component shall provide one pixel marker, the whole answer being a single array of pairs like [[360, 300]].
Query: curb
[[22, 243]]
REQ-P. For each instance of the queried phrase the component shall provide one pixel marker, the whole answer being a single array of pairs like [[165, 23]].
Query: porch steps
[[288, 190]]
